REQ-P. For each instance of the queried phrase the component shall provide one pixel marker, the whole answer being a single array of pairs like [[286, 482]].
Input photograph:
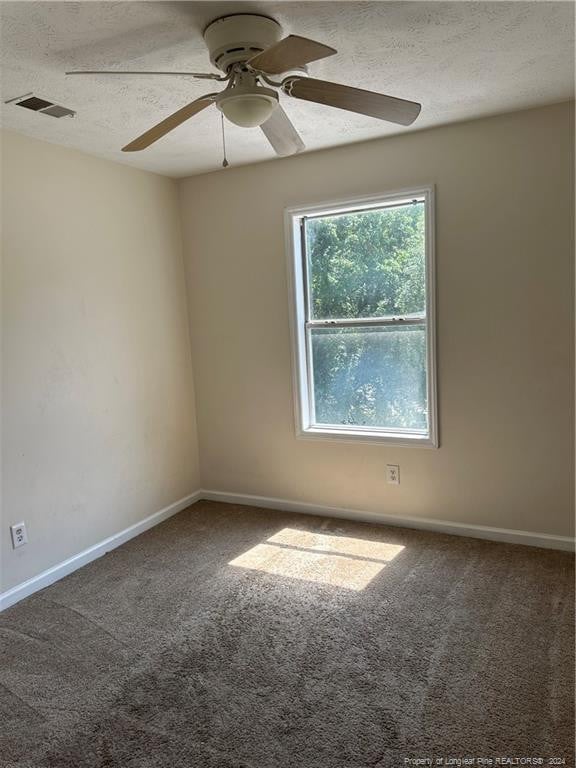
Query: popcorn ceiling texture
[[164, 655], [461, 60]]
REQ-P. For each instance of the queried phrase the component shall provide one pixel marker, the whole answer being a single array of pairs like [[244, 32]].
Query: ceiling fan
[[248, 49]]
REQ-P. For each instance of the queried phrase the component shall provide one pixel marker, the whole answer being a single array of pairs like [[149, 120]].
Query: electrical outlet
[[393, 474], [19, 535]]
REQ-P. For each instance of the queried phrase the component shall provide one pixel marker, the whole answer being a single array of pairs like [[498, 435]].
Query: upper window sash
[[310, 266]]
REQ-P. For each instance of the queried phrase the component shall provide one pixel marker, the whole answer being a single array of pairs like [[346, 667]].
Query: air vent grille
[[36, 104]]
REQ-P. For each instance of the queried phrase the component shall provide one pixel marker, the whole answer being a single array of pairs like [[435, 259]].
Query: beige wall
[[504, 255], [98, 417], [99, 426]]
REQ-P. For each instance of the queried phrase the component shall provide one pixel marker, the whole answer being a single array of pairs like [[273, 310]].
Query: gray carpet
[[336, 645]]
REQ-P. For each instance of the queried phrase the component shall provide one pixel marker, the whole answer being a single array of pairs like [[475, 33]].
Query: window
[[362, 283]]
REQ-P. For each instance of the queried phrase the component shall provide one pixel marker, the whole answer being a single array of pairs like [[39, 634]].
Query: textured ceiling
[[459, 59]]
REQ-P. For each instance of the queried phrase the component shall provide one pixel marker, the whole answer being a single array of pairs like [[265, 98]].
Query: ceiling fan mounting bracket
[[239, 37], [286, 85]]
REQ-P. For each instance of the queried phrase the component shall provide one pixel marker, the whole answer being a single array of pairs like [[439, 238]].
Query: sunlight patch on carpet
[[340, 561]]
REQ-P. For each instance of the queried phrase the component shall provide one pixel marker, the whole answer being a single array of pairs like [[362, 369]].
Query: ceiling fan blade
[[292, 51], [169, 124], [281, 134], [207, 76], [353, 99]]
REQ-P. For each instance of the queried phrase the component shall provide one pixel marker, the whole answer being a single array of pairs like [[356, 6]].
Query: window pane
[[367, 264], [370, 377]]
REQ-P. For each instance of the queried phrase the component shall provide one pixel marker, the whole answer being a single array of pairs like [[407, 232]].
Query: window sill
[[367, 436]]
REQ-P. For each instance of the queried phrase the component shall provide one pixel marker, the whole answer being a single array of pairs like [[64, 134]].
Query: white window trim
[[300, 363]]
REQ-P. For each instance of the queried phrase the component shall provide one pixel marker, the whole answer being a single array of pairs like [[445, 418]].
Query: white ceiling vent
[[36, 104]]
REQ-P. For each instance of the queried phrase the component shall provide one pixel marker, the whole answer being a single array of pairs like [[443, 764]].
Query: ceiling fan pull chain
[[225, 162]]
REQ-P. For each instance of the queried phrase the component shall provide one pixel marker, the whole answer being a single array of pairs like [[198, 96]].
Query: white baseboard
[[44, 579], [440, 526]]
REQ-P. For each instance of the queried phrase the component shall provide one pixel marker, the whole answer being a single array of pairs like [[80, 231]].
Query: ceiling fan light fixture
[[248, 109]]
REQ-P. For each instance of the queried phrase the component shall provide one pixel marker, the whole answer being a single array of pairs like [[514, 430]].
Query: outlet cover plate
[[393, 474], [19, 535]]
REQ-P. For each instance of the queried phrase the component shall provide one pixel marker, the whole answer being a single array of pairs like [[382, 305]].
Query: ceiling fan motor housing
[[238, 37]]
